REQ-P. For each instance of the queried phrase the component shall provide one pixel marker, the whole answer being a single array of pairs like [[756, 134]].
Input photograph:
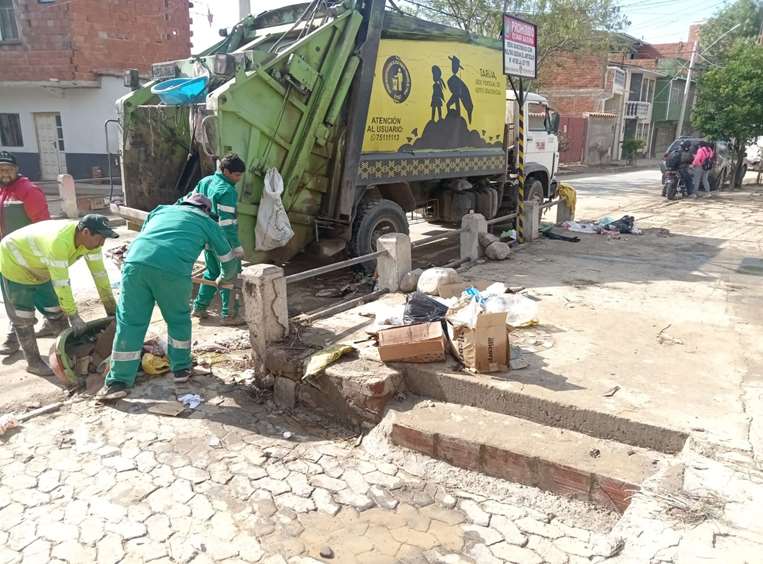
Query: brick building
[[62, 64], [620, 83]]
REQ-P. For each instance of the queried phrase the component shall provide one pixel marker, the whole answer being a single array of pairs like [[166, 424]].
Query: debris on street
[[319, 361], [191, 400]]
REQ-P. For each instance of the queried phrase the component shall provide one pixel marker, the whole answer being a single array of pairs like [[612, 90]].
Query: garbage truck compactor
[[366, 113]]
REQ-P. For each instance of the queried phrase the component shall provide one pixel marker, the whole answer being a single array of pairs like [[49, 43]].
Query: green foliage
[[730, 98], [563, 25], [747, 13], [632, 148]]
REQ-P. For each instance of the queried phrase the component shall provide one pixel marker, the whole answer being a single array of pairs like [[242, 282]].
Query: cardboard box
[[486, 347], [424, 342], [455, 290]]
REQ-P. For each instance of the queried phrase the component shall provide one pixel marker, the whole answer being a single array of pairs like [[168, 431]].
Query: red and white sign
[[520, 46]]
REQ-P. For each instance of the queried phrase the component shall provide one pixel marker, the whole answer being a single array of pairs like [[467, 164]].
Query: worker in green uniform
[[34, 270], [220, 188], [157, 270]]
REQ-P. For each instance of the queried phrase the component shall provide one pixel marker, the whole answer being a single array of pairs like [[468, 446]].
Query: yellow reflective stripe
[[123, 356], [17, 255], [93, 257], [61, 283], [227, 209], [103, 274], [55, 263], [179, 344], [224, 222]]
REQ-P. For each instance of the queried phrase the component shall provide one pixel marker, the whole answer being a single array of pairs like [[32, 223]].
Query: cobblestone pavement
[[103, 484]]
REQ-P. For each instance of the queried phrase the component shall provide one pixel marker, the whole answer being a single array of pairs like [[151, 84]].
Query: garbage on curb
[[423, 342], [190, 400], [568, 194], [420, 308], [154, 365], [7, 422], [432, 279], [321, 360], [607, 225]]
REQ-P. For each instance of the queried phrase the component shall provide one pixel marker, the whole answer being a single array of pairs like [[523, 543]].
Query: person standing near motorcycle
[[684, 168], [702, 165]]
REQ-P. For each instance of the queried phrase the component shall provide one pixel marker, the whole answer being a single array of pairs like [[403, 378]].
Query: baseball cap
[[198, 200], [98, 223], [7, 158]]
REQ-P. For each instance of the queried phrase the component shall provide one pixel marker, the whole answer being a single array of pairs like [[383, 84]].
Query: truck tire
[[375, 217], [534, 190]]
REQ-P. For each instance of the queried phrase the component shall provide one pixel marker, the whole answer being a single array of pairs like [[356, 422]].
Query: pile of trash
[[445, 315], [607, 225], [85, 356]]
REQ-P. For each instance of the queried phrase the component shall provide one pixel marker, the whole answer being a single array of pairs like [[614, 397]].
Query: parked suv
[[723, 169]]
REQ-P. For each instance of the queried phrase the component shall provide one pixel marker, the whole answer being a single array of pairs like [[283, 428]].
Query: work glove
[[78, 325], [238, 252], [110, 307]]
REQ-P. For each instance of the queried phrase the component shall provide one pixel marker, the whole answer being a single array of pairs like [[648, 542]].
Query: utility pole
[[244, 9], [694, 51], [685, 100]]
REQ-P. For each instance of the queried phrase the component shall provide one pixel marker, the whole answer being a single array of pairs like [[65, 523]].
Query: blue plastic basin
[[181, 91]]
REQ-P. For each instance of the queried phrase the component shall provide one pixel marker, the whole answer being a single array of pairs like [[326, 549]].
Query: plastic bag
[[522, 311], [420, 308], [325, 358], [432, 278], [154, 365], [273, 229], [465, 314]]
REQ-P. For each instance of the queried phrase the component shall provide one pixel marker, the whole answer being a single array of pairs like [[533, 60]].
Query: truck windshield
[[537, 115]]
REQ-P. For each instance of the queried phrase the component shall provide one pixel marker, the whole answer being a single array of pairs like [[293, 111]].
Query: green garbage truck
[[366, 112]]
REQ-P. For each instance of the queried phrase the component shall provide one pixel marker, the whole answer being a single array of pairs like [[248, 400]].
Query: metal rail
[[433, 238], [299, 276], [502, 218]]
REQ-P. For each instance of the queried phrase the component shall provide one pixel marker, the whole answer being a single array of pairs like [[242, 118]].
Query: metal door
[[50, 143], [572, 138]]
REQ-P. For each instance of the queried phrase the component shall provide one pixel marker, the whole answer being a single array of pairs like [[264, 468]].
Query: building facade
[[62, 65]]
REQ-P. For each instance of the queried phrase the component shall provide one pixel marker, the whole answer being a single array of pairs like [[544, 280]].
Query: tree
[[564, 25], [747, 13], [730, 100]]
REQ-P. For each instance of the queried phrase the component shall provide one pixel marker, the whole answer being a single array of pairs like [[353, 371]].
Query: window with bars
[[9, 31], [10, 131]]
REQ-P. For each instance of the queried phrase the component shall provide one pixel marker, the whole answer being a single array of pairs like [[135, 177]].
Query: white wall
[[83, 113]]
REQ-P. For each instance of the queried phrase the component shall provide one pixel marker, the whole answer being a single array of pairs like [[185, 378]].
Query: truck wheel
[[534, 190], [375, 217]]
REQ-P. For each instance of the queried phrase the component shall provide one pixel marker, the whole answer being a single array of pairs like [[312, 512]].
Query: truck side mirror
[[131, 79], [554, 119], [223, 32]]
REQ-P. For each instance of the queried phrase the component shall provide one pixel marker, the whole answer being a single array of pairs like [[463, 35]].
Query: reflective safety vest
[[43, 252]]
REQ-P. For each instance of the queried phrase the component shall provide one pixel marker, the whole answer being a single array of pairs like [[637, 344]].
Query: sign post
[[520, 47]]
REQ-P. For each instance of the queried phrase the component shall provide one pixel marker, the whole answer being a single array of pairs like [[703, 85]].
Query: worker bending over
[[34, 270], [157, 270], [220, 188], [21, 203]]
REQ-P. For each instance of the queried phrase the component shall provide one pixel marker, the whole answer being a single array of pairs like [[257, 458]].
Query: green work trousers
[[207, 293], [22, 299], [142, 287]]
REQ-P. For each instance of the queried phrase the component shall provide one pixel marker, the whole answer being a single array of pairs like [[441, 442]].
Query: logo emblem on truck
[[397, 79]]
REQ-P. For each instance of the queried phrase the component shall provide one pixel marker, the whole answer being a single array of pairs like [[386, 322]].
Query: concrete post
[[265, 308], [472, 224], [532, 220], [395, 263], [563, 212], [68, 194]]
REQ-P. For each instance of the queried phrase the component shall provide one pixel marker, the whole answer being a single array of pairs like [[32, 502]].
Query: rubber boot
[[34, 364], [52, 327], [10, 345]]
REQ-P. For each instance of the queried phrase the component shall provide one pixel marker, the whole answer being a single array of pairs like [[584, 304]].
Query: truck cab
[[541, 143]]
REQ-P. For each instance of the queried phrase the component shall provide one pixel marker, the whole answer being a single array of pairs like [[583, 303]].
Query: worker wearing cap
[[34, 269], [220, 188], [22, 203], [157, 271]]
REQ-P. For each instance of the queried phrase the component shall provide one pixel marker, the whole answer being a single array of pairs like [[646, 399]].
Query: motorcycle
[[672, 185]]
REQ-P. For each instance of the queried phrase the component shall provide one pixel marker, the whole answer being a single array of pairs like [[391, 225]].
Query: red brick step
[[596, 470]]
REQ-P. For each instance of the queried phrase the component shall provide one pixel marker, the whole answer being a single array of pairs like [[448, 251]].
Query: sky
[[655, 21]]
